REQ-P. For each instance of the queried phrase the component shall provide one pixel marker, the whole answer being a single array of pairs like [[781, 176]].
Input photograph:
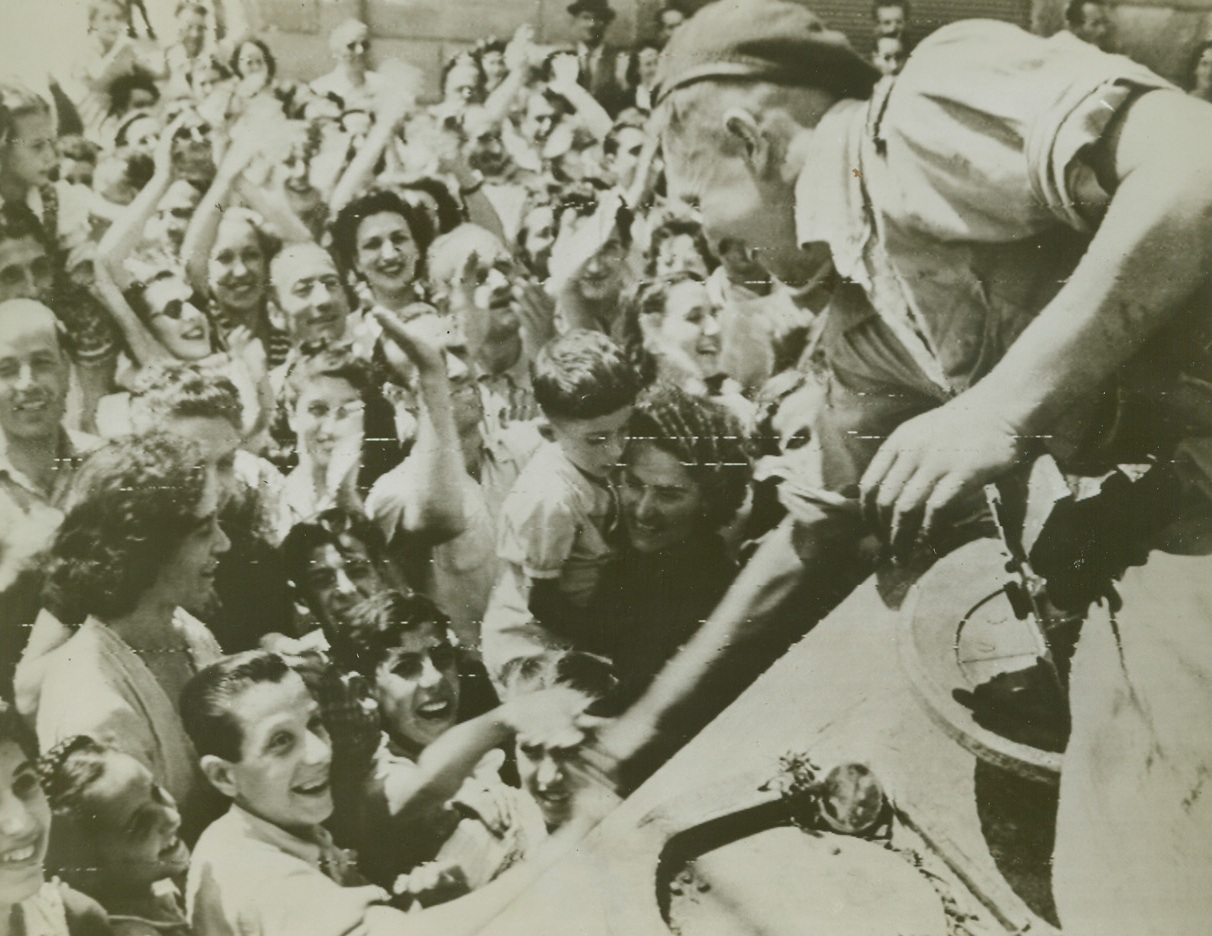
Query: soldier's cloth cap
[[763, 40]]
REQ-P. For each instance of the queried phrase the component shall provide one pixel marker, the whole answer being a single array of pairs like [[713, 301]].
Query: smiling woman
[[28, 903], [115, 835], [685, 474], [139, 542], [381, 240]]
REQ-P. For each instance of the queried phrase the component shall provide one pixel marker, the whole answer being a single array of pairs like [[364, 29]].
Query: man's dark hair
[[18, 224], [124, 86], [130, 505], [206, 700], [181, 390], [326, 529], [78, 148], [271, 64], [345, 226], [379, 624], [191, 6], [1075, 11], [13, 728], [878, 5], [583, 375]]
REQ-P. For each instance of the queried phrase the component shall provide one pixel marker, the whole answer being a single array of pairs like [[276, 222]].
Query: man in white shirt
[[268, 866]]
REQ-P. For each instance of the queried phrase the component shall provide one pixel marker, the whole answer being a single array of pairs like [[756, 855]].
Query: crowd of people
[[377, 466]]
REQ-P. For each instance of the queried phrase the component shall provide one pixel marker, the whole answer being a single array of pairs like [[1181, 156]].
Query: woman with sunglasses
[[176, 321]]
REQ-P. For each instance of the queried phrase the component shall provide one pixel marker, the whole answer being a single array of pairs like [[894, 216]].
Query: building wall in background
[[423, 32], [1159, 33]]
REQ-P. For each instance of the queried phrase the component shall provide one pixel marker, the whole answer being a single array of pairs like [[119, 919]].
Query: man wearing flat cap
[[1029, 236], [598, 61]]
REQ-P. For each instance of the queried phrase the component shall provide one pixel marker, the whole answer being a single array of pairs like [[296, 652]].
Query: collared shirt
[[43, 913], [248, 877], [71, 451], [957, 197], [556, 524], [30, 514]]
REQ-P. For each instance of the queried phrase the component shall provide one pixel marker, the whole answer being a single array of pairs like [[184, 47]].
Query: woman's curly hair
[[67, 771], [344, 227], [705, 438], [646, 297], [131, 504]]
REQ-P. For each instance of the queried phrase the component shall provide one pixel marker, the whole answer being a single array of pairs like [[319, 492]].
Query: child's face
[[108, 23], [593, 445], [285, 758], [417, 687], [136, 823], [24, 825], [543, 770], [29, 154]]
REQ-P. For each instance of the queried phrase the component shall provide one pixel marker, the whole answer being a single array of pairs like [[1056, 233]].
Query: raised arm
[[204, 226], [141, 342], [126, 233], [271, 204], [101, 73], [448, 761], [589, 111], [427, 502], [391, 109], [519, 54], [1151, 252]]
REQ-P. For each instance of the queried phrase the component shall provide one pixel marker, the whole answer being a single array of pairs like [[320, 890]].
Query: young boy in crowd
[[268, 866], [557, 522]]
